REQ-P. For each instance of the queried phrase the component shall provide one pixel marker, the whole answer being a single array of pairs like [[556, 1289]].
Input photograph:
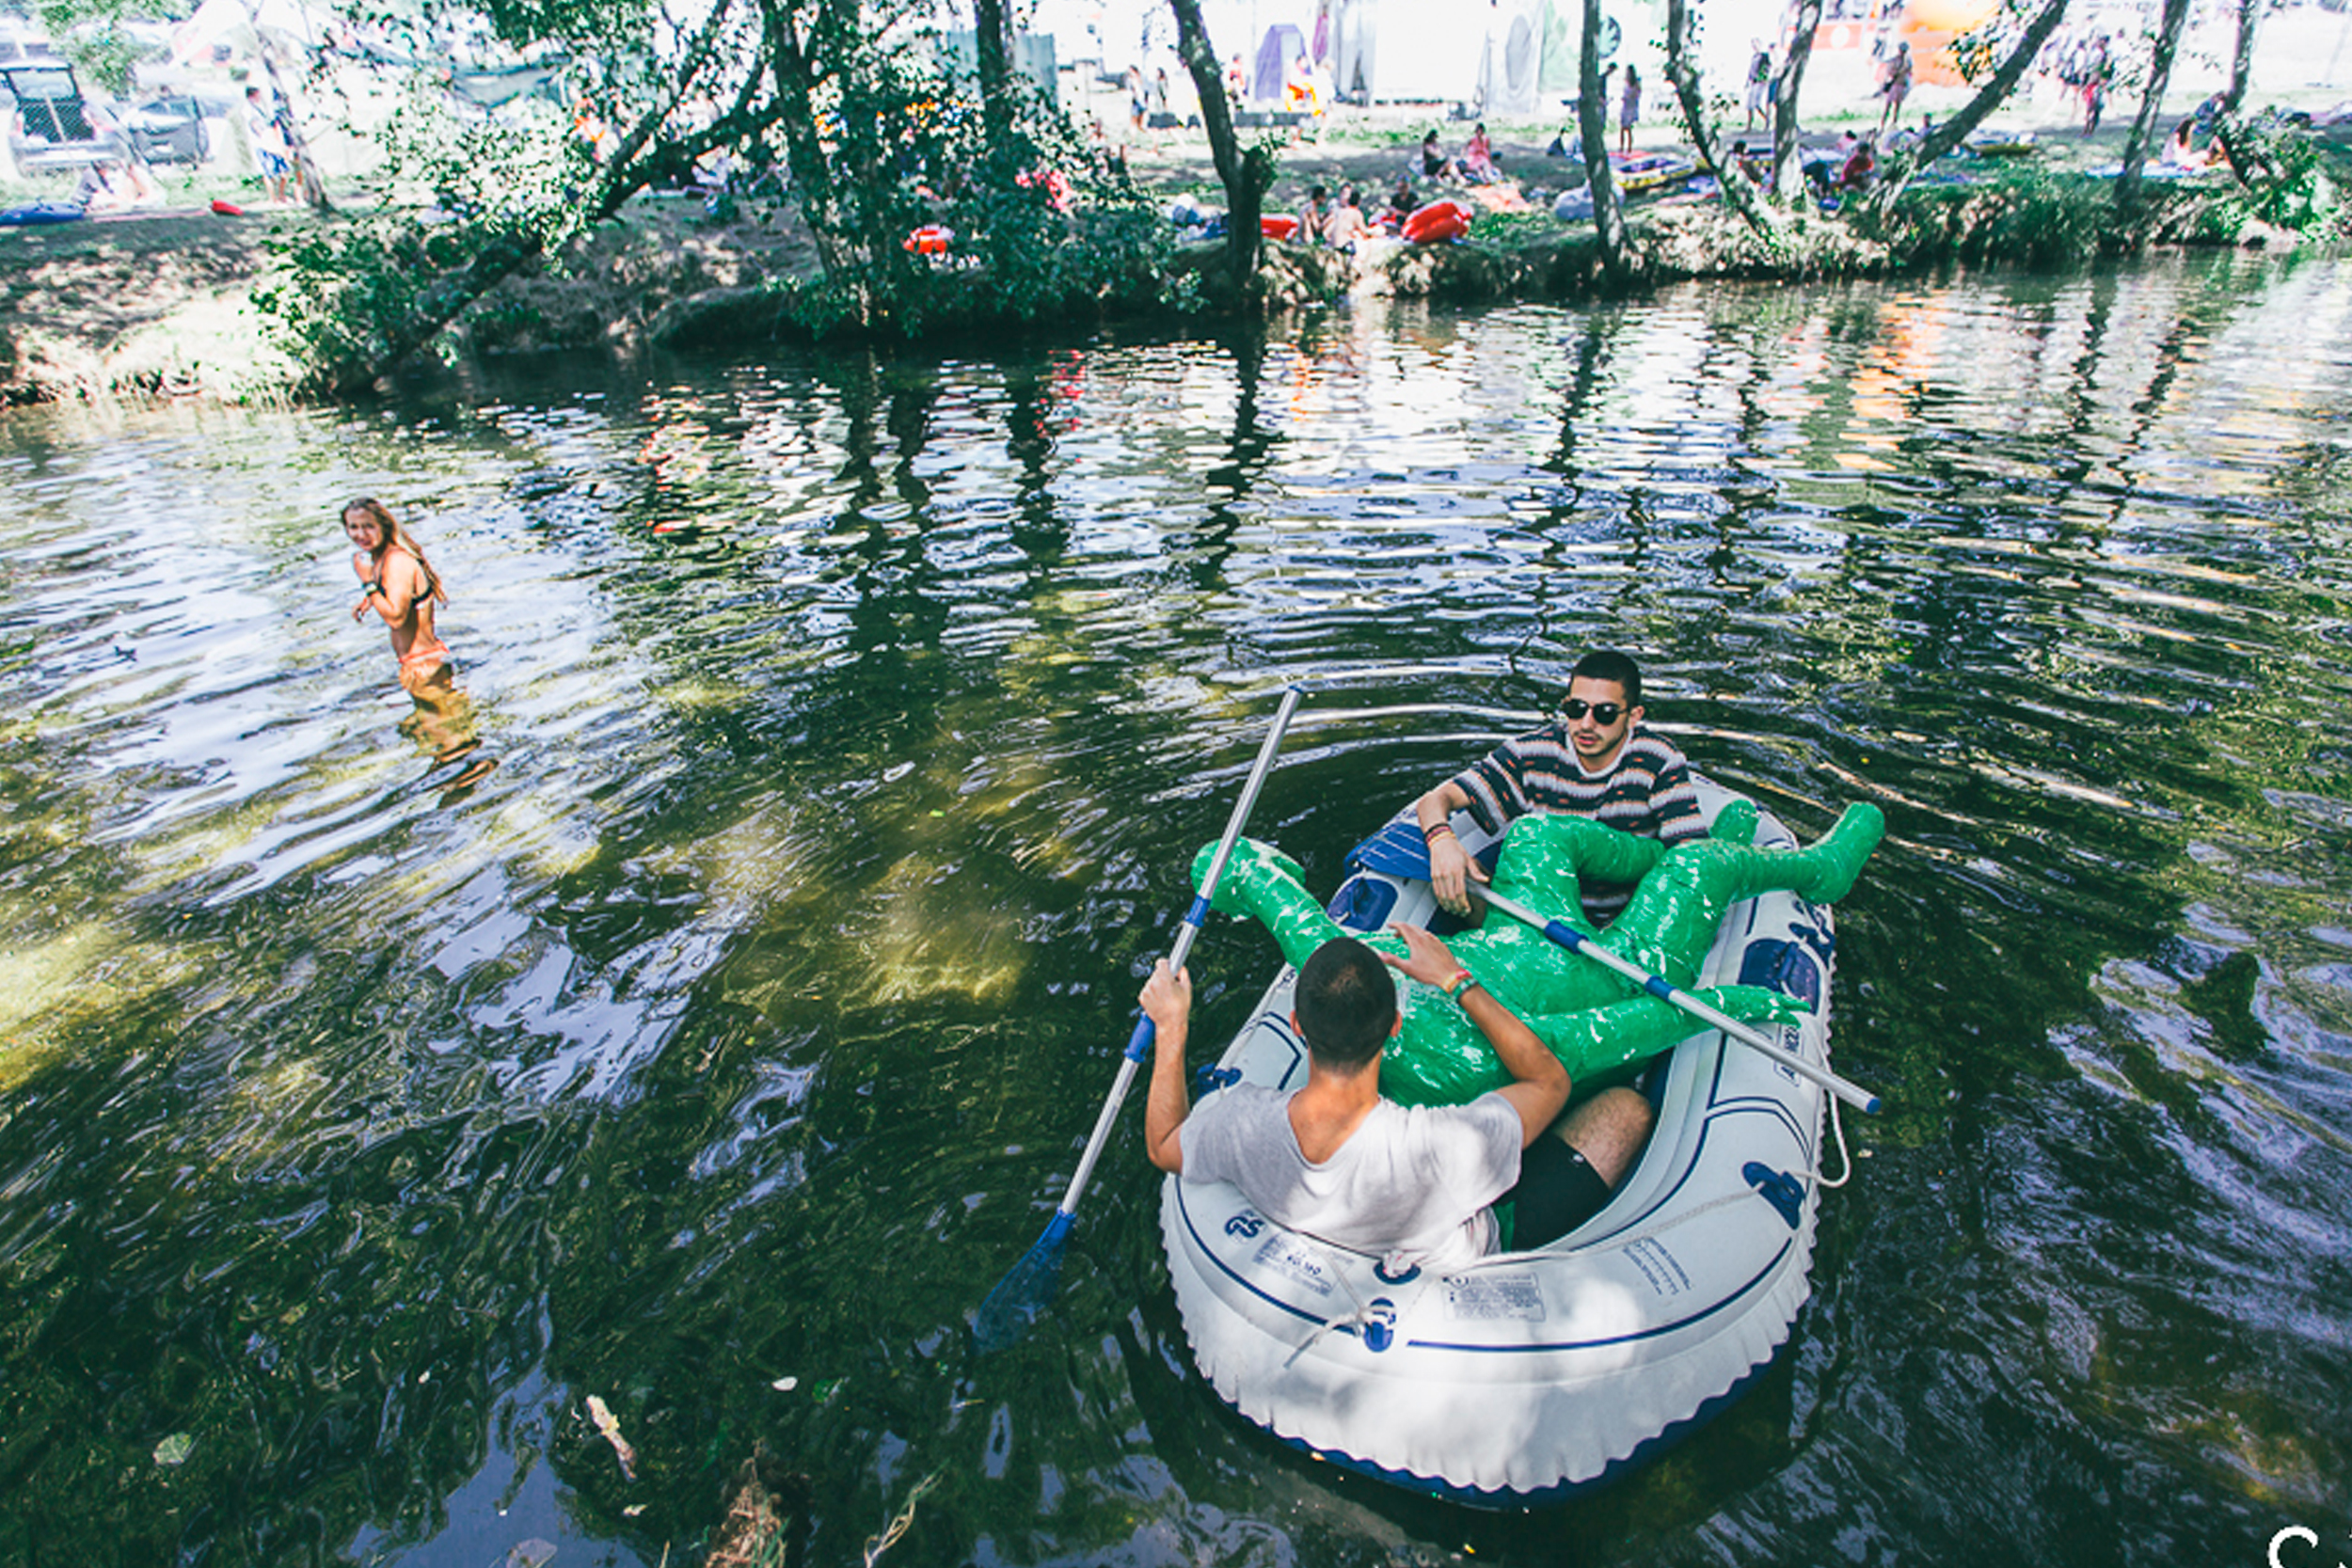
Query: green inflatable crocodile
[[1594, 1020]]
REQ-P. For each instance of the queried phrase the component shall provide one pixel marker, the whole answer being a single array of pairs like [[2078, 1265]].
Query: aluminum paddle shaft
[[1030, 1286], [1139, 1043], [1667, 990]]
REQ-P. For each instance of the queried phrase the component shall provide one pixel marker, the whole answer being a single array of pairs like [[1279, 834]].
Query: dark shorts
[[1557, 1192]]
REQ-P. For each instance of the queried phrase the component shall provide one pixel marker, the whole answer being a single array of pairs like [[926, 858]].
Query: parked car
[[52, 127], [169, 130]]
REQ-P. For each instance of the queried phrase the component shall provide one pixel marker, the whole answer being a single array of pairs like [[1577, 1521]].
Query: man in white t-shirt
[[1336, 1161]]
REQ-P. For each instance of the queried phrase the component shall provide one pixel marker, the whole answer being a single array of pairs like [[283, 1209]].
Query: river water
[[855, 718]]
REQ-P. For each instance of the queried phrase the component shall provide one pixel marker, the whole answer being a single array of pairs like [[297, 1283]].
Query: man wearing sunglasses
[[1593, 760]]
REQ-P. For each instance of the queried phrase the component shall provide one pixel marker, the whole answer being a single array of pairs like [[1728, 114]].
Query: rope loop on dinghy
[[1363, 1320], [1363, 1317]]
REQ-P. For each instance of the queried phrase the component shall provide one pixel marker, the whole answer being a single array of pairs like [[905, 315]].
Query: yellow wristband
[[1460, 985]]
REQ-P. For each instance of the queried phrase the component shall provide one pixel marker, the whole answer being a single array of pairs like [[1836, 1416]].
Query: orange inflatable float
[[1279, 226], [929, 240], [1436, 223]]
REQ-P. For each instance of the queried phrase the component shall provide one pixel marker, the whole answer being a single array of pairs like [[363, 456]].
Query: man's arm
[[1449, 865], [1168, 1002], [1539, 1089]]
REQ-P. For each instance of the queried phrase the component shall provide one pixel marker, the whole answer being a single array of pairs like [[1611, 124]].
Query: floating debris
[[898, 1527], [785, 1384], [534, 1553], [602, 1417], [759, 1526], [175, 1448]]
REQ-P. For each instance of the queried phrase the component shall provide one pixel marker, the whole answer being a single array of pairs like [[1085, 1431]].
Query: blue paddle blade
[[1025, 1292]]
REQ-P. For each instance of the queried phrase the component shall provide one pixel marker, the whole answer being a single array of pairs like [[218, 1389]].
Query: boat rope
[[1845, 1161], [1362, 1316]]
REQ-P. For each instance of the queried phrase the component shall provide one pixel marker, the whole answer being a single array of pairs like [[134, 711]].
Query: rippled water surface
[[855, 718]]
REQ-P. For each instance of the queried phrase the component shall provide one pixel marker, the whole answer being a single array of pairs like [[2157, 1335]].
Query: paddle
[[1030, 1286], [1667, 990], [1397, 850]]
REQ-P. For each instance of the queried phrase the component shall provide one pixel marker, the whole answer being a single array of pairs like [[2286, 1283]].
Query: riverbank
[[161, 303]]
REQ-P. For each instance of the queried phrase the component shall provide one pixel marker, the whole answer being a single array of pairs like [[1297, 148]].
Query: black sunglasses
[[1604, 714]]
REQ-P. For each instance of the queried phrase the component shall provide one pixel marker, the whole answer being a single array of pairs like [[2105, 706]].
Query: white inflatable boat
[[1531, 1376]]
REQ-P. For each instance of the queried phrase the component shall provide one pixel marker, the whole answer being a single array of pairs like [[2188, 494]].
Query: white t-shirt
[[1414, 1183]]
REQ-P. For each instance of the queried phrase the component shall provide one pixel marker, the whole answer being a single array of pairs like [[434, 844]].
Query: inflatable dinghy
[[1531, 1376]]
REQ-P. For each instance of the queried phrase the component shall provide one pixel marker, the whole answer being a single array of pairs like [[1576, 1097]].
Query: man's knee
[[1609, 1130]]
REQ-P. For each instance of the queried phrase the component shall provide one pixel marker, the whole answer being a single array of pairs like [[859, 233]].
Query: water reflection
[[856, 716]]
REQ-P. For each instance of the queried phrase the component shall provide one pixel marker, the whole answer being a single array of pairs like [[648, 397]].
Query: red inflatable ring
[[929, 240], [1436, 223], [1280, 226]]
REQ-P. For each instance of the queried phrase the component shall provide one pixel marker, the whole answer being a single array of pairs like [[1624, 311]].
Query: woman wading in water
[[403, 588]]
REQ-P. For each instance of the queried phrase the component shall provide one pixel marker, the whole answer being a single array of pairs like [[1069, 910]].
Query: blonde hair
[[394, 539]]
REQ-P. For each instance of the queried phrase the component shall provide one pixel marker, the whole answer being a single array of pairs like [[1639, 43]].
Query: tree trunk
[[1246, 174], [2249, 14], [2127, 185], [1737, 194], [992, 44], [307, 177], [1592, 129], [791, 58], [1900, 169], [1788, 179]]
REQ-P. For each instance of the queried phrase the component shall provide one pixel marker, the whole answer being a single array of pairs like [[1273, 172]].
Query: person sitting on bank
[[1335, 1159], [1435, 164], [1314, 218], [1860, 170], [1478, 159], [1595, 760], [2181, 151], [1347, 226], [1401, 204]]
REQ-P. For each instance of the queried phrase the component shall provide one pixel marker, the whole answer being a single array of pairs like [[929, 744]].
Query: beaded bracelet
[[1431, 835]]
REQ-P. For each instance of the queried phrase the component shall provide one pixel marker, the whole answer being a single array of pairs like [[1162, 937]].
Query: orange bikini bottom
[[424, 657]]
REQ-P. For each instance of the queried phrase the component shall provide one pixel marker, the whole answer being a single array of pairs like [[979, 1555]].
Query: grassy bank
[[162, 306]]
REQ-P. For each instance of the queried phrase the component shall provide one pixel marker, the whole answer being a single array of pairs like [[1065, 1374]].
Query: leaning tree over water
[[1684, 76], [1618, 257], [1978, 51], [2168, 41]]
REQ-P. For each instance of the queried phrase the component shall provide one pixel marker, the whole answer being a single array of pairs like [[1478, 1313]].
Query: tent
[[1282, 44], [1406, 52]]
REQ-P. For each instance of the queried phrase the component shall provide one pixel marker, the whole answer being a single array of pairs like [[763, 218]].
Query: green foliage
[[342, 296], [1507, 229], [1182, 293], [2025, 214], [1038, 228], [2281, 178]]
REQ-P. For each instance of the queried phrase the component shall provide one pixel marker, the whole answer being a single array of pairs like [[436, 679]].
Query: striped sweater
[[1645, 791]]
